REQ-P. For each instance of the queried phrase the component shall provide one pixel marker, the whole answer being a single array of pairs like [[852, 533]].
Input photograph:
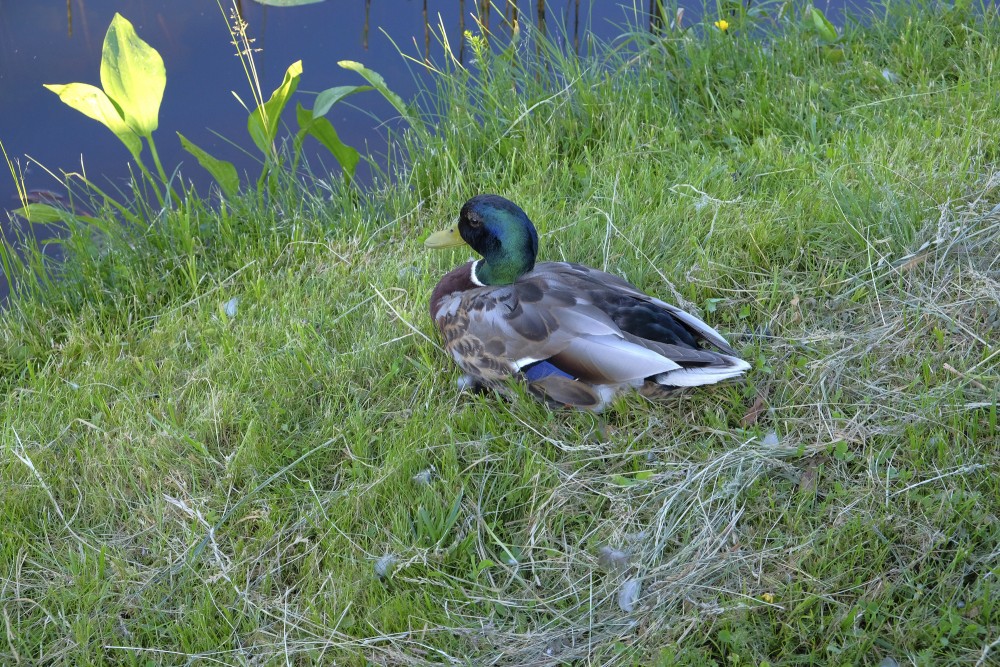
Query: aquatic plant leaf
[[223, 172], [132, 75], [824, 28], [377, 82], [326, 99], [263, 122], [833, 54], [322, 130], [42, 214], [93, 103]]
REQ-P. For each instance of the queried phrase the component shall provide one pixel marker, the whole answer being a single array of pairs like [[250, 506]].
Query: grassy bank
[[233, 438]]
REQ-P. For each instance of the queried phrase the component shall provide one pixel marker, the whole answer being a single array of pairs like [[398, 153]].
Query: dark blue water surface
[[49, 41], [40, 42]]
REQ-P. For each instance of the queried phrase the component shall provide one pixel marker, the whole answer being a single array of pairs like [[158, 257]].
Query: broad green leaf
[[834, 54], [287, 3], [263, 122], [223, 172], [133, 76], [322, 130], [824, 28], [99, 223], [326, 99], [93, 103], [42, 214], [376, 80]]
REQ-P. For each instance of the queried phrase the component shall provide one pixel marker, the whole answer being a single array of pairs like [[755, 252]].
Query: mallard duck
[[577, 336]]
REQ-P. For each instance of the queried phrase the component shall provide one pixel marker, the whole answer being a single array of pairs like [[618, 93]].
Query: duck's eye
[[475, 222]]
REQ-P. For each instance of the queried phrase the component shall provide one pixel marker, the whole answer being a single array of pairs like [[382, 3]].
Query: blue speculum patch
[[542, 369]]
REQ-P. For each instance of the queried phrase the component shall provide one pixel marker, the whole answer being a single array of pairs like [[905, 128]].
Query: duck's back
[[632, 311]]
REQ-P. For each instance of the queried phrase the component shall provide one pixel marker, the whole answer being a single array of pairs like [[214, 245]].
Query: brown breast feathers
[[457, 280]]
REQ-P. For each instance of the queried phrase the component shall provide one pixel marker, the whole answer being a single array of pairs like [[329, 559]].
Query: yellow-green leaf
[[42, 214], [263, 122], [322, 130], [824, 28], [133, 75], [377, 82], [223, 172], [834, 54], [331, 96], [93, 103]]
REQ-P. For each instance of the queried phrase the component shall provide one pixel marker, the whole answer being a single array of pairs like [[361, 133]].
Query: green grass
[[182, 486]]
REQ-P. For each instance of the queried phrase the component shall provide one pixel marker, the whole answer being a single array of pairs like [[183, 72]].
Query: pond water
[[55, 42]]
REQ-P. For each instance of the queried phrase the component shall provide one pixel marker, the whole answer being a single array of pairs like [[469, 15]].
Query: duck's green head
[[497, 229]]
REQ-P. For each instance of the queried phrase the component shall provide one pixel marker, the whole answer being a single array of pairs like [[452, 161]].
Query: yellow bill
[[444, 239]]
